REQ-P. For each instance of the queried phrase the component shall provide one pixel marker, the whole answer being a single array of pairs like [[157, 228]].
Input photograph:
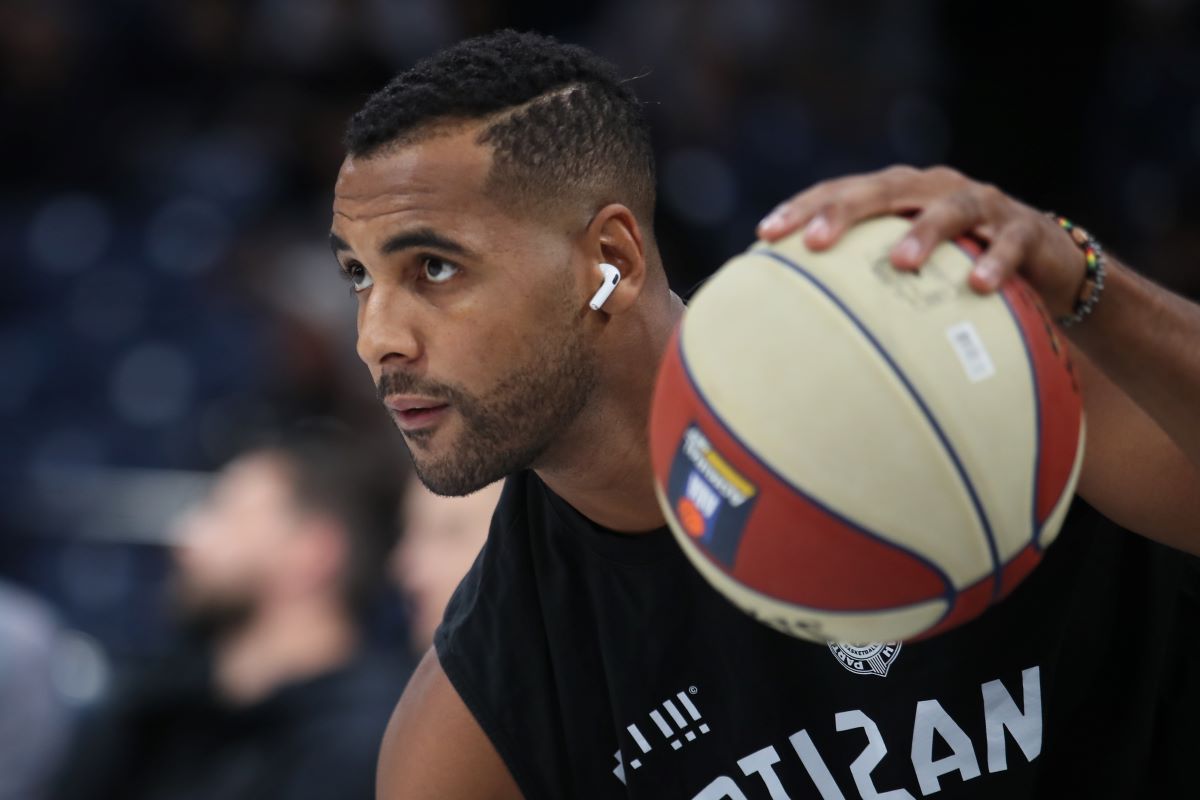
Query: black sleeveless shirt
[[602, 665]]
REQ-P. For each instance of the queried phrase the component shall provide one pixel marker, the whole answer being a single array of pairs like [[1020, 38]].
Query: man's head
[[306, 519], [439, 539], [480, 191], [564, 131]]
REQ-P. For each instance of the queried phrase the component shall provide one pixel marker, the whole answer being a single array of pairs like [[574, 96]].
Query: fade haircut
[[561, 123]]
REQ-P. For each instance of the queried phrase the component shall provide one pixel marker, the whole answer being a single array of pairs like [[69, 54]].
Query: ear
[[613, 237]]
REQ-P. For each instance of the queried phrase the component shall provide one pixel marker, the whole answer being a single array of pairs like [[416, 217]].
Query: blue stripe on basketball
[[1034, 527], [950, 593], [916, 396]]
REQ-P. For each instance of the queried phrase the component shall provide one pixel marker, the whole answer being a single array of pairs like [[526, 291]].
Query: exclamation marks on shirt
[[641, 742], [693, 712], [675, 734], [665, 728]]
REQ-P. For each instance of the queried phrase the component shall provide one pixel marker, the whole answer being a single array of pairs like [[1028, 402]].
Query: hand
[[948, 205]]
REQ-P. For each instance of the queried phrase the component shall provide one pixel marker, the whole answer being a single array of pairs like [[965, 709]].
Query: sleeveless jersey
[[601, 665]]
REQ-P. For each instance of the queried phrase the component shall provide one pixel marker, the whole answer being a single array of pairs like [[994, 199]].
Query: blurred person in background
[[34, 719], [440, 538], [273, 574]]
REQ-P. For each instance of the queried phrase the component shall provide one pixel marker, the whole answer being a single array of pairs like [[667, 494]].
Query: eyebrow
[[421, 237], [338, 244]]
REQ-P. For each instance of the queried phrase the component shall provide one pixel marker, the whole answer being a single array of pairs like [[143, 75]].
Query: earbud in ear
[[612, 276]]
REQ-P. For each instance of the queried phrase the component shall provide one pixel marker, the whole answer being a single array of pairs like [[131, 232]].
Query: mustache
[[407, 383]]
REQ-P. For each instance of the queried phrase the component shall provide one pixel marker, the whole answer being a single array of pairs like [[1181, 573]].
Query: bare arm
[[1147, 340], [1134, 473], [1141, 373], [435, 750]]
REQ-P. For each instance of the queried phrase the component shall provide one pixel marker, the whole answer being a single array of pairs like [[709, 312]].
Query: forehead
[[250, 478], [441, 171]]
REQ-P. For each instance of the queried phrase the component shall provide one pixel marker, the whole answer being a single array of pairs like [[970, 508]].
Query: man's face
[[440, 538], [233, 545], [468, 313]]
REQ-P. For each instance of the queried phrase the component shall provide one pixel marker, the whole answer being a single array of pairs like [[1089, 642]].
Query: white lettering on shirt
[[932, 718], [869, 758], [1000, 712]]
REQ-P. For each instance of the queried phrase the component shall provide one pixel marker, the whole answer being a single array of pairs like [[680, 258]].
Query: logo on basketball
[[866, 659], [711, 500], [929, 288], [690, 517]]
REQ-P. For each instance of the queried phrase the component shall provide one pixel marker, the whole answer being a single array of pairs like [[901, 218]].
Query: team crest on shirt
[[711, 499], [866, 659]]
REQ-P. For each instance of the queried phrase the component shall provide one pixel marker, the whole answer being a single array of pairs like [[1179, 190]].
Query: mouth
[[412, 414]]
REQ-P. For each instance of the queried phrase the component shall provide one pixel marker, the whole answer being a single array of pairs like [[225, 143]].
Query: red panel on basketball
[[1018, 568], [968, 604], [1058, 399]]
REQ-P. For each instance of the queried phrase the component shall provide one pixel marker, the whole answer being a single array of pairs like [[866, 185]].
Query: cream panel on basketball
[[954, 345], [809, 623], [912, 494]]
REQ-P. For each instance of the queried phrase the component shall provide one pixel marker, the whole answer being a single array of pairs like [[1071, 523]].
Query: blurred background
[[164, 211]]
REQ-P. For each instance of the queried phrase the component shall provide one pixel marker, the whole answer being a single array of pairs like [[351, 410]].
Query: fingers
[[950, 205], [944, 219], [828, 209], [1009, 249], [853, 201], [978, 209], [798, 212]]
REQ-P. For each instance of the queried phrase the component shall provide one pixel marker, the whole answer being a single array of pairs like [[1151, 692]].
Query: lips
[[415, 413]]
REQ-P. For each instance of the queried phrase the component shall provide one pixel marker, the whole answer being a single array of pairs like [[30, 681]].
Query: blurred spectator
[[440, 538], [33, 725], [273, 573]]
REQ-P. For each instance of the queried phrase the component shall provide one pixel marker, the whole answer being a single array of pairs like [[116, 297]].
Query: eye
[[437, 270], [358, 276]]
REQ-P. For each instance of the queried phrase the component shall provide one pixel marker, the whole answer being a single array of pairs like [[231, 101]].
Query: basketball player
[[582, 656]]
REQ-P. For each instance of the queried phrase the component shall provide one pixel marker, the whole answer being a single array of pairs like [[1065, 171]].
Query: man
[[439, 539], [274, 570], [582, 656]]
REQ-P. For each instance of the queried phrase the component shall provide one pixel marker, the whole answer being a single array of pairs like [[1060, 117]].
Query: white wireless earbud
[[612, 276]]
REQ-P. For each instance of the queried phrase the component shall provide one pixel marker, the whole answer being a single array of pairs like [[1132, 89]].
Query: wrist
[[1091, 284]]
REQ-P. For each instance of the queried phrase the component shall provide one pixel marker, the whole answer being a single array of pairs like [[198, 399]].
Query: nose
[[387, 327]]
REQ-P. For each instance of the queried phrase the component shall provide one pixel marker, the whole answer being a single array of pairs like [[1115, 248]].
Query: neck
[[604, 470], [283, 643]]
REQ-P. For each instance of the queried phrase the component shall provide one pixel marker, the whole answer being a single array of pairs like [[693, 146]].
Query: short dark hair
[[560, 120], [356, 483]]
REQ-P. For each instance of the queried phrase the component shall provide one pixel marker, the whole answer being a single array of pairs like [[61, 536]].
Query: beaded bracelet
[[1093, 278]]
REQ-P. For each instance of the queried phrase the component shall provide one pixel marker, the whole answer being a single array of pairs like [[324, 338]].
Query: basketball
[[852, 453]]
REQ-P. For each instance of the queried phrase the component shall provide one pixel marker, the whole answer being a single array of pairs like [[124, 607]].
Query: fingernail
[[988, 271], [818, 228], [908, 250], [773, 221]]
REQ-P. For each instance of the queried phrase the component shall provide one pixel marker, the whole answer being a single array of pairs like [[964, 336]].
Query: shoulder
[[493, 645], [435, 748]]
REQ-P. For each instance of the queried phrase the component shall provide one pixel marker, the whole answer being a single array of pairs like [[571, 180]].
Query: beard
[[512, 426]]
